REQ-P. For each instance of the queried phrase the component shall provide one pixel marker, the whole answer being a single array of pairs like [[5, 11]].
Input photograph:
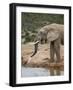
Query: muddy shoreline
[[42, 58]]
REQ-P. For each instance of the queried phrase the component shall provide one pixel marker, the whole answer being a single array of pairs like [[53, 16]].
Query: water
[[34, 72]]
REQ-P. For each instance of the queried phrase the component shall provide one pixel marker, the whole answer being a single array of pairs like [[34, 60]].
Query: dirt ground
[[42, 57]]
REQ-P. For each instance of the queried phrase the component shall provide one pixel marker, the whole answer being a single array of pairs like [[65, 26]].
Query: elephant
[[53, 33]]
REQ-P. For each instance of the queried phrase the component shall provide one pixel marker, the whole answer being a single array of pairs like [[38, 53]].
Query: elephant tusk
[[36, 42], [35, 48]]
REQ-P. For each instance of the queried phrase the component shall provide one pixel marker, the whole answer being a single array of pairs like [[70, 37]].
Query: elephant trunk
[[35, 48]]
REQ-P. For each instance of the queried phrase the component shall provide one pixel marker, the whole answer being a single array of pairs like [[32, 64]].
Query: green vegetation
[[31, 22]]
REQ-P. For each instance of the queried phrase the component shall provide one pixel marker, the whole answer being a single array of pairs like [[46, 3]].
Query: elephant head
[[48, 33], [42, 36]]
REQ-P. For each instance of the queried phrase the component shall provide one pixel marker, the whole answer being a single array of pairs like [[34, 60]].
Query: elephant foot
[[57, 61], [51, 61]]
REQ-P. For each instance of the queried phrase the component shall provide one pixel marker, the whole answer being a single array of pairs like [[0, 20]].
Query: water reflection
[[55, 72], [32, 72]]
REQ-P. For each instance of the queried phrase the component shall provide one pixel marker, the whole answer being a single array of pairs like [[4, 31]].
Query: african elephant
[[53, 33]]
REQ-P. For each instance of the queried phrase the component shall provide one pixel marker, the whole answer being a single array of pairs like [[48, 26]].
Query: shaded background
[[32, 22]]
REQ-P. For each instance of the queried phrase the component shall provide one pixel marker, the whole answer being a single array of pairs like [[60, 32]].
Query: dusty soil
[[42, 58]]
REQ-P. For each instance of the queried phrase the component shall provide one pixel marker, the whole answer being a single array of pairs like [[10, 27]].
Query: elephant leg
[[52, 51], [57, 49]]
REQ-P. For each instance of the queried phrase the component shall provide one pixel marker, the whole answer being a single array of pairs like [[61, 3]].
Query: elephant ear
[[52, 35]]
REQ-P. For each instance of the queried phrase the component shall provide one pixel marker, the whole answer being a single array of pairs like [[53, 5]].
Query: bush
[[32, 21]]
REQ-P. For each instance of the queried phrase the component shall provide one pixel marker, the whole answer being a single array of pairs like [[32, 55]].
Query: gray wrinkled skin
[[53, 33]]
